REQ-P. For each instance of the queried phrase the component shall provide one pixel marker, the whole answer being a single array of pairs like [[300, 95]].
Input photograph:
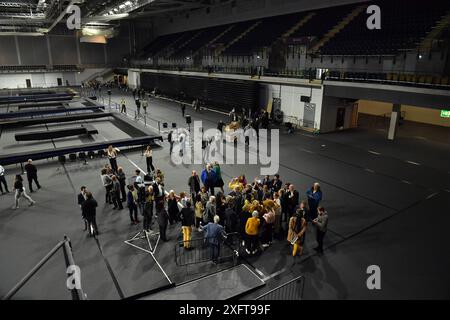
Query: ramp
[[223, 285]]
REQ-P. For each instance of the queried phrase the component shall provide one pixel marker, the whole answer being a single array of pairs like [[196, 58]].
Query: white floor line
[[374, 152], [412, 162], [273, 275]]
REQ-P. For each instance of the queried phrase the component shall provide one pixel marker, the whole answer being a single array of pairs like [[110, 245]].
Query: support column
[[395, 116]]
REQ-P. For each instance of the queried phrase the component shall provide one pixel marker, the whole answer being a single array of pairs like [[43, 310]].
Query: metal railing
[[115, 107], [300, 123], [200, 250], [291, 290], [77, 293]]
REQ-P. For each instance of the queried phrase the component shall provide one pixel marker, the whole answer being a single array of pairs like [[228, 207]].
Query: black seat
[[72, 157]]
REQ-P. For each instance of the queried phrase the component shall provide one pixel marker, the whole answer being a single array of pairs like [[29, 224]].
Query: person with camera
[[321, 224]]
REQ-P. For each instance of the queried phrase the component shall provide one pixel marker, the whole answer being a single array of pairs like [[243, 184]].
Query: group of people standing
[[18, 183]]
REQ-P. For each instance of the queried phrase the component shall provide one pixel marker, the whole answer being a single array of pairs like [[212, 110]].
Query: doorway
[[28, 83], [340, 118]]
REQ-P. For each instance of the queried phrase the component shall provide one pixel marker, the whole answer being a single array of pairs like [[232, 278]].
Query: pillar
[[395, 116]]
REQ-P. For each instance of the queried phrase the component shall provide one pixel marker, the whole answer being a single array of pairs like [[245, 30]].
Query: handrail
[[78, 294]]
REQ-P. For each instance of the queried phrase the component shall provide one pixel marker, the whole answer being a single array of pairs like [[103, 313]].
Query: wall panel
[[33, 50], [8, 52]]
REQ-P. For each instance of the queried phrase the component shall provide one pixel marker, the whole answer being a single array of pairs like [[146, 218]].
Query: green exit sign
[[445, 113]]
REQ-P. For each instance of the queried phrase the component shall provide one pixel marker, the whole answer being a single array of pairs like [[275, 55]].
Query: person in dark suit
[[293, 198], [162, 218], [89, 209], [31, 170], [276, 183], [81, 199], [194, 184], [171, 141]]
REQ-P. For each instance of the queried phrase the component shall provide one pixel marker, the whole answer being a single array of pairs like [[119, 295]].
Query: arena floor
[[387, 202]]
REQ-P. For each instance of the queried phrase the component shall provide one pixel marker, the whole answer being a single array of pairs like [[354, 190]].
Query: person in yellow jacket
[[235, 183], [297, 228], [252, 232]]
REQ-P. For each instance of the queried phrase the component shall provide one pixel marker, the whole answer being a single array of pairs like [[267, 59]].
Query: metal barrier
[[77, 293], [200, 250], [291, 290]]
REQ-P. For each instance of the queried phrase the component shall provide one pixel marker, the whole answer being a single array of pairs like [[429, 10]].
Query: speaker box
[[174, 125], [305, 99]]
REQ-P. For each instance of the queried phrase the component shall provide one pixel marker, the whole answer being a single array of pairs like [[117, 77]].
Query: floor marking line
[[406, 181], [273, 275], [374, 152], [432, 195], [110, 270], [412, 162]]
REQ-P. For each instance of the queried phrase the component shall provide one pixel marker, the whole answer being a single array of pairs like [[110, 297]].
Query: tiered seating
[[200, 41], [265, 34], [404, 23], [160, 43], [237, 30], [322, 22]]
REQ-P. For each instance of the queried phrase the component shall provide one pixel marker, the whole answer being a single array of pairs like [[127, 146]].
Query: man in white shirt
[[3, 180]]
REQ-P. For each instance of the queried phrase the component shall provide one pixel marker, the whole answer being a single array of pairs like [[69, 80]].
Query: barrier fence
[[291, 290], [200, 251], [77, 292]]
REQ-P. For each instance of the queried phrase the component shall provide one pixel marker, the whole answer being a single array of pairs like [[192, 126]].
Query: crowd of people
[[256, 211]]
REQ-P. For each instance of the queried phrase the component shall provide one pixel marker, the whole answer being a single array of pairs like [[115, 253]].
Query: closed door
[[309, 115]]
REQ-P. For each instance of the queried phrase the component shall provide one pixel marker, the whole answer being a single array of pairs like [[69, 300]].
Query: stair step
[[338, 27]]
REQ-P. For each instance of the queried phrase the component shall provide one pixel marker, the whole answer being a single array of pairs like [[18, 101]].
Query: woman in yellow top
[[297, 228], [235, 183], [252, 232]]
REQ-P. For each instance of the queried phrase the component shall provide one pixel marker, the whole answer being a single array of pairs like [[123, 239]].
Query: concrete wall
[[61, 49], [43, 80], [412, 113], [133, 79], [330, 106], [290, 99], [244, 10]]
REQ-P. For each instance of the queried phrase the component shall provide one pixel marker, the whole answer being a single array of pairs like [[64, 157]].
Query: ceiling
[[37, 17]]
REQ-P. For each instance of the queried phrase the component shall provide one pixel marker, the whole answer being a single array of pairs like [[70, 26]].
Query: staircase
[[300, 24], [242, 35], [427, 43], [337, 28], [214, 40], [169, 47], [181, 46]]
